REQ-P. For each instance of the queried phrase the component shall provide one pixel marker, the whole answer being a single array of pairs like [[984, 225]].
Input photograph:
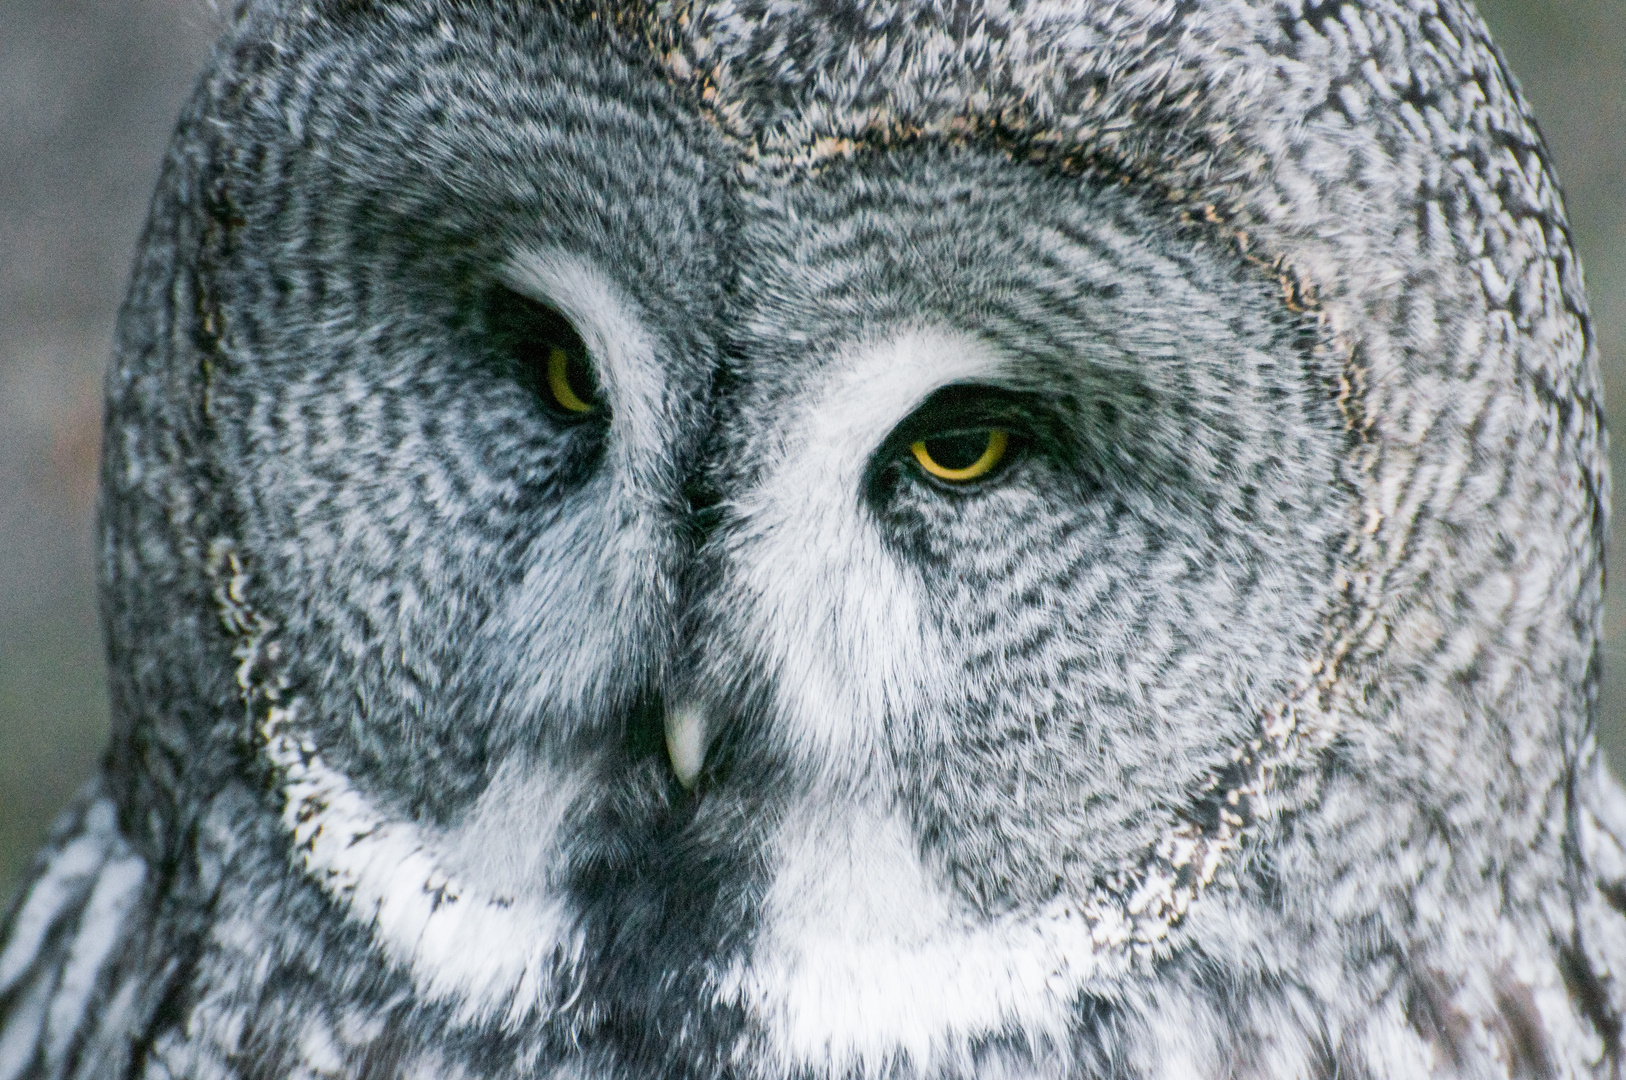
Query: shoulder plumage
[[79, 911]]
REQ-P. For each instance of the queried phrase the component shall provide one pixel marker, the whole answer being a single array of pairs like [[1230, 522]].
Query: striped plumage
[[1237, 722]]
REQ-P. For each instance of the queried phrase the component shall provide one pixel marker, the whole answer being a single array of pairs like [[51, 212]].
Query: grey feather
[[1238, 723]]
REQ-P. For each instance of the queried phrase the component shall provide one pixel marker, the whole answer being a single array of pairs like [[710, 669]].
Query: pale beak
[[686, 737]]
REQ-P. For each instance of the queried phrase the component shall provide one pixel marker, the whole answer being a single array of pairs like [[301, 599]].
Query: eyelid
[[961, 409]]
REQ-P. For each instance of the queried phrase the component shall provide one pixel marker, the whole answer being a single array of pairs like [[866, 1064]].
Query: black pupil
[[530, 333], [955, 452], [578, 374]]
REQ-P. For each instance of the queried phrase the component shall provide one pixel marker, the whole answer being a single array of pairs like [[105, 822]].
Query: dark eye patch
[[546, 353], [962, 423]]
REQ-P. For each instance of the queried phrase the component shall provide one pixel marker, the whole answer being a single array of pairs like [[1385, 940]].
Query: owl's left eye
[[961, 457], [963, 437]]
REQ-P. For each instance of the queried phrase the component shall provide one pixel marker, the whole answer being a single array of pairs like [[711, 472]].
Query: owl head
[[749, 537]]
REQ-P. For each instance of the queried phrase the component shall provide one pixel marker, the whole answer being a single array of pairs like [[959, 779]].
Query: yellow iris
[[560, 382], [952, 458]]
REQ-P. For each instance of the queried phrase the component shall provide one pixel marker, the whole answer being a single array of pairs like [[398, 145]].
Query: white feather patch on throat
[[492, 950]]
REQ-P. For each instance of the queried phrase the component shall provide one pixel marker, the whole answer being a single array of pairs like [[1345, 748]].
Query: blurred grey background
[[88, 91]]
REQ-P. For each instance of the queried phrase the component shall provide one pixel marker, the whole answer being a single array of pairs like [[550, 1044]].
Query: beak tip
[[686, 738]]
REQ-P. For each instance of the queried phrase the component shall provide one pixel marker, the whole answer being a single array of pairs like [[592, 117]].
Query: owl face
[[838, 613], [746, 597]]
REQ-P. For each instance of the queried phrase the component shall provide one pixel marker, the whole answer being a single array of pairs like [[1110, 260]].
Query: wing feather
[[70, 920]]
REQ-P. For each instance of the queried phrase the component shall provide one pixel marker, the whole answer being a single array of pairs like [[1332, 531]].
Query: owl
[[845, 540]]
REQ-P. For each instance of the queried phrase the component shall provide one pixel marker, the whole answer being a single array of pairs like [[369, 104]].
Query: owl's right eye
[[570, 381], [550, 355]]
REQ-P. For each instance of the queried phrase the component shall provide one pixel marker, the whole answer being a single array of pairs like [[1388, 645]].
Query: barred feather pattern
[[1242, 727]]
